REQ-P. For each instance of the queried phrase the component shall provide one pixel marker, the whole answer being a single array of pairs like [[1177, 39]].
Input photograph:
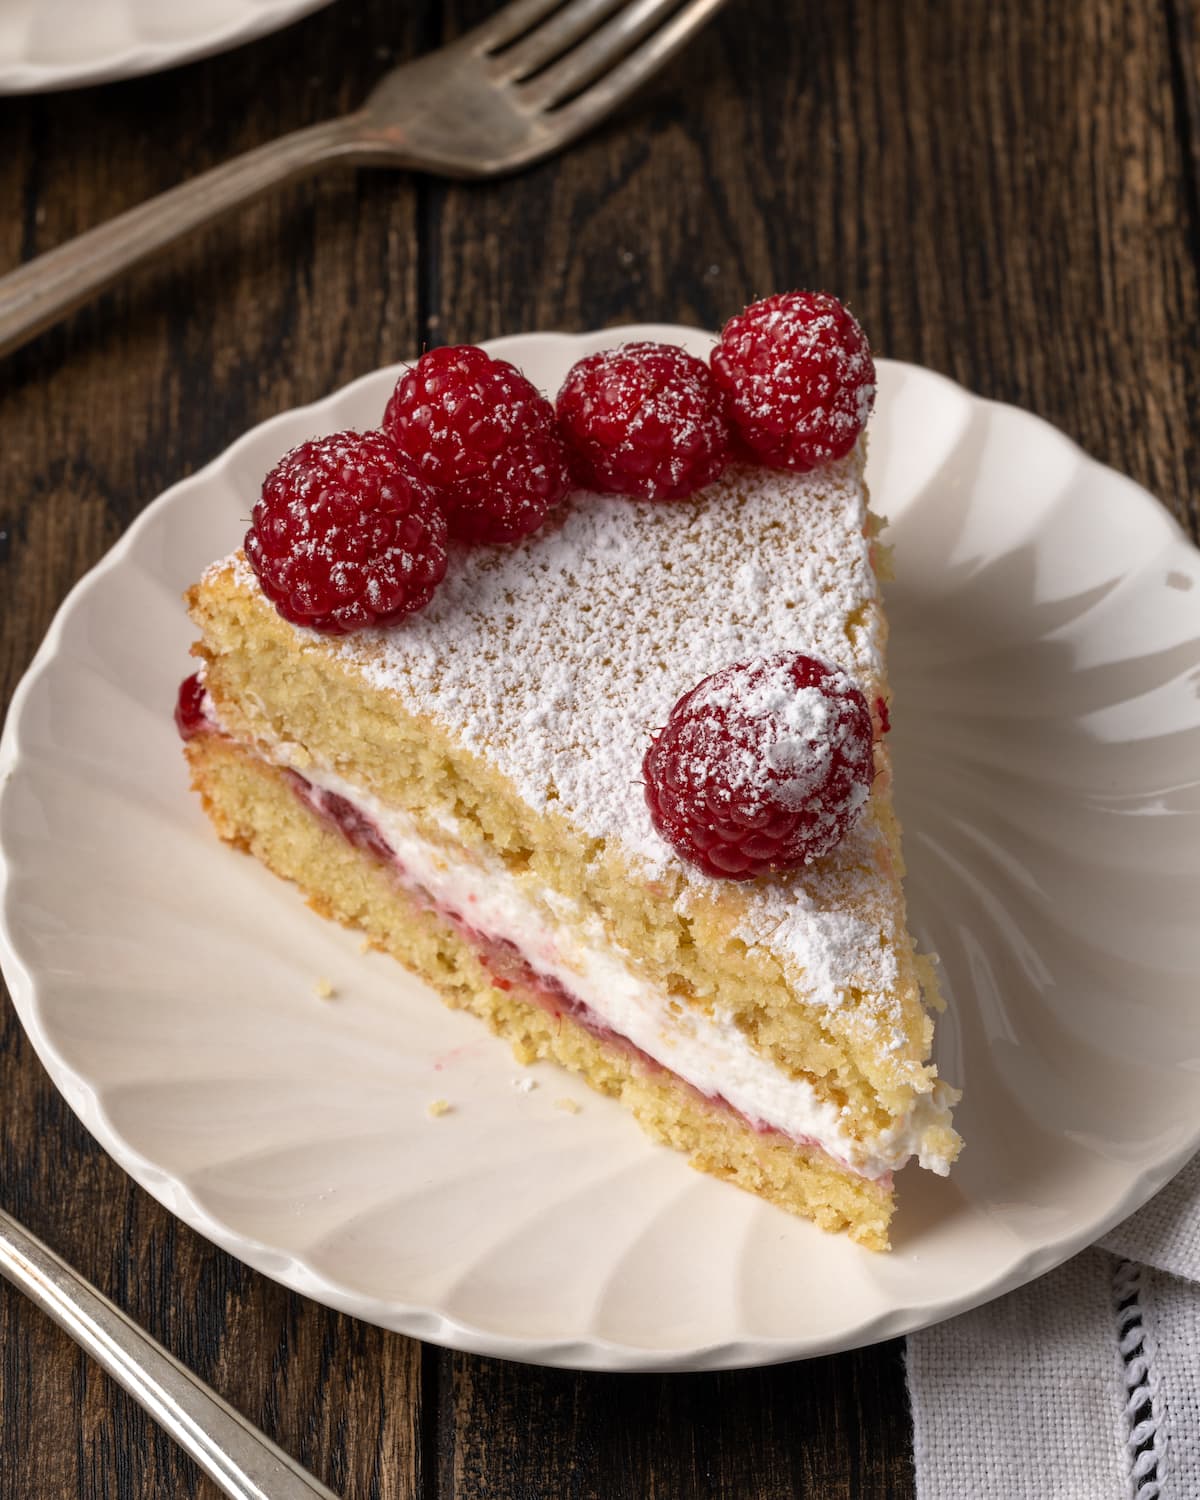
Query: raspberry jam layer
[[506, 964], [504, 961]]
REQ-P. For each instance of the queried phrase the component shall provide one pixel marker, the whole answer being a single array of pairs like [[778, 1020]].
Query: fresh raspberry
[[646, 420], [798, 375], [484, 438], [763, 766], [347, 534], [190, 718]]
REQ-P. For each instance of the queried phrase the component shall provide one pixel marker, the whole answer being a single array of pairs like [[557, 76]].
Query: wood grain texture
[[1183, 19], [1008, 194], [828, 1427], [282, 304]]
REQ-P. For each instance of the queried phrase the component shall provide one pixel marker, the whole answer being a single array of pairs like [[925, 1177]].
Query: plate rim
[[582, 1352], [138, 58]]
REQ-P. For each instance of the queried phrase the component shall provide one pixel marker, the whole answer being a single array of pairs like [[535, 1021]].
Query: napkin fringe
[[1146, 1437]]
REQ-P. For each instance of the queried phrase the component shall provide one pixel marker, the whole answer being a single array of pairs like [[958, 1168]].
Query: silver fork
[[516, 89], [244, 1463]]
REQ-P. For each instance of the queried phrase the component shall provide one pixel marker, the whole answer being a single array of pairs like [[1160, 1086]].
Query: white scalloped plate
[[60, 44], [1046, 658]]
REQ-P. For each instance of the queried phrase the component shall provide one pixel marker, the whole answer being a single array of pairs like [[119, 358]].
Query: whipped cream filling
[[707, 1051]]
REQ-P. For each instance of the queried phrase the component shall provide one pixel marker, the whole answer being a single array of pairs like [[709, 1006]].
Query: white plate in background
[[59, 44]]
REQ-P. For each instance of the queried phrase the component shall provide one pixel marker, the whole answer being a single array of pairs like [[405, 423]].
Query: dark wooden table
[[1008, 193]]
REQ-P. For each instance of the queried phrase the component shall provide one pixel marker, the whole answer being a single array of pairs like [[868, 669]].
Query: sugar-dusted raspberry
[[798, 375], [645, 420], [484, 437], [762, 767], [347, 534]]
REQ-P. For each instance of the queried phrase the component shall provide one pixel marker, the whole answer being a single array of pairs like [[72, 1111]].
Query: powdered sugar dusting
[[799, 731], [557, 658]]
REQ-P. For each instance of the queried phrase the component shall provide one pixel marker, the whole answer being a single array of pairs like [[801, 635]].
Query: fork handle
[[244, 1463], [46, 289]]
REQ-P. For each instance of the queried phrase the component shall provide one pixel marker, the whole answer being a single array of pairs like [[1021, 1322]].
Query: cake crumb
[[439, 1107], [525, 1085], [323, 989], [568, 1106], [366, 945]]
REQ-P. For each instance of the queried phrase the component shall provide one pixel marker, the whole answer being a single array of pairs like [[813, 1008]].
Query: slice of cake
[[466, 784]]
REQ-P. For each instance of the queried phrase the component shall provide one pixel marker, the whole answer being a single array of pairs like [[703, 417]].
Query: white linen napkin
[[1084, 1385]]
